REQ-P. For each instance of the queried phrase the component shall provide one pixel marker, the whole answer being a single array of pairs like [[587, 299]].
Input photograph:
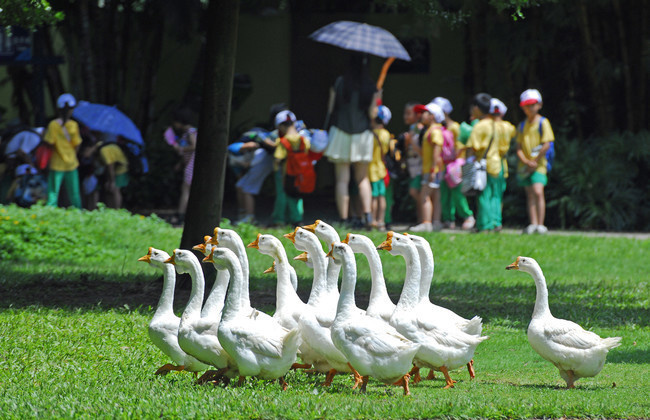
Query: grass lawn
[[75, 305]]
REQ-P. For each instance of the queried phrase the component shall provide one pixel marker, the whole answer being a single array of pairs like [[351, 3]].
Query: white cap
[[284, 116], [530, 96], [40, 130], [444, 104], [498, 107], [436, 110], [66, 99], [384, 114]]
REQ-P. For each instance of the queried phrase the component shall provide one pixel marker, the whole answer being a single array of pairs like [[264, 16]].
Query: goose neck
[[286, 295], [378, 286], [214, 303], [234, 300], [319, 283], [411, 290], [347, 303], [541, 300], [166, 301], [427, 267], [193, 307]]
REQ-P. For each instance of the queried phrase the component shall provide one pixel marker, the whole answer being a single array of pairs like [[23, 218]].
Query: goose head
[[205, 247], [267, 245], [303, 239], [226, 237], [340, 252], [271, 269], [396, 243], [155, 257], [182, 260], [222, 258], [324, 231], [304, 257], [525, 264], [358, 243]]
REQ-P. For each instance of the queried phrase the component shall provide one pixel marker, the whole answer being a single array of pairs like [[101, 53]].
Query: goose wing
[[569, 334]]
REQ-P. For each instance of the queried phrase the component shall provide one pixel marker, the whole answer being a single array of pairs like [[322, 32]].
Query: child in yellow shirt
[[377, 168]]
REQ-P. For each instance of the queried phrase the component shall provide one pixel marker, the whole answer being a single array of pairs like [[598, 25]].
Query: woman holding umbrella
[[63, 134], [351, 106]]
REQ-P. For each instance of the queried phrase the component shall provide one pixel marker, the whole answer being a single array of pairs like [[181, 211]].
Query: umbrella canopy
[[107, 119], [356, 36]]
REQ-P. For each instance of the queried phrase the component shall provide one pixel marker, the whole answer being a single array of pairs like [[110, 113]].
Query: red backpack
[[300, 177]]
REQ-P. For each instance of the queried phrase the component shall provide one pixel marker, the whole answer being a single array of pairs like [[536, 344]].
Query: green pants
[[390, 200], [489, 203], [286, 209], [70, 179], [453, 201]]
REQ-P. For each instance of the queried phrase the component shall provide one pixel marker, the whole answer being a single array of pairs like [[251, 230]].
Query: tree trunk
[[87, 74], [206, 194], [627, 76]]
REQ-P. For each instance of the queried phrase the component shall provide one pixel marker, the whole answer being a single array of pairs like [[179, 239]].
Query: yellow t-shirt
[[432, 137], [113, 154], [479, 141], [529, 139], [511, 131], [64, 156], [294, 139], [381, 144]]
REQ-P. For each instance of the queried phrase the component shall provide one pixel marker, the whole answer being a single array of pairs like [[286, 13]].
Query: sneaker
[[436, 226], [469, 223], [530, 229], [541, 229], [422, 227], [449, 225]]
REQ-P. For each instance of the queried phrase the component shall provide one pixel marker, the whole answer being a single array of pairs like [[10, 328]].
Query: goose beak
[[256, 243], [214, 240], [291, 236], [209, 258], [514, 265], [302, 257], [329, 254], [347, 239], [146, 258], [271, 269], [312, 227], [387, 245], [199, 247], [172, 259]]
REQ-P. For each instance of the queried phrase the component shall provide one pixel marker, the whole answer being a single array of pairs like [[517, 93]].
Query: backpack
[[300, 177], [550, 153], [138, 163], [31, 188], [448, 152]]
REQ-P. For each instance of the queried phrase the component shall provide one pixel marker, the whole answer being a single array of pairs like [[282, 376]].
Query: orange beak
[[514, 265], [291, 236], [312, 227], [271, 269], [209, 258], [146, 258], [214, 240], [329, 254], [199, 247], [347, 239], [387, 245], [256, 243], [172, 259], [302, 257]]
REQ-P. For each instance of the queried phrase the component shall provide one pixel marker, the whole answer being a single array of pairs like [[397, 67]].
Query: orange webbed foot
[[329, 378], [165, 369], [415, 374], [470, 369], [449, 382]]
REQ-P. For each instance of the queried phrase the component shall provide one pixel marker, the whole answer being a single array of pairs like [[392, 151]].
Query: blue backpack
[[550, 153]]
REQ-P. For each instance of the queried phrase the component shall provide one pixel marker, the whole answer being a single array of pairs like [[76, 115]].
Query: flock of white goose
[[228, 338]]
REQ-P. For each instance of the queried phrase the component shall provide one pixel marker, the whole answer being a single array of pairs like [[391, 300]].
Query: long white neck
[[166, 301], [427, 266], [193, 308], [237, 246], [541, 301], [378, 291], [346, 304], [319, 262], [411, 290], [286, 296], [234, 302], [214, 303]]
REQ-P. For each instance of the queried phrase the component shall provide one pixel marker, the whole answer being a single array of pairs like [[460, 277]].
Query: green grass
[[75, 303]]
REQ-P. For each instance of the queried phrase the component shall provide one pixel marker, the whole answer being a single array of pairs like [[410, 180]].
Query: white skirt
[[346, 148]]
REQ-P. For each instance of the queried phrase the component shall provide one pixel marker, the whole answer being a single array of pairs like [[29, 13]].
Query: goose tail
[[611, 342], [474, 326]]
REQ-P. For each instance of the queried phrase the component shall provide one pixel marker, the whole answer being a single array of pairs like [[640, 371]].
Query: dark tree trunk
[[87, 67], [206, 195]]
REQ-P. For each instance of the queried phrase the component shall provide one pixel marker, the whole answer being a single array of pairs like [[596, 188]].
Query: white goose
[[163, 328], [372, 346], [315, 323], [329, 235], [197, 335], [576, 353], [379, 304], [216, 298], [444, 347], [426, 308], [263, 349]]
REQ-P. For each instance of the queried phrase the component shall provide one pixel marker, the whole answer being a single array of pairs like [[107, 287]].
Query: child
[[492, 141], [412, 114], [533, 140], [285, 123], [498, 110], [452, 200], [377, 169], [181, 136], [432, 168]]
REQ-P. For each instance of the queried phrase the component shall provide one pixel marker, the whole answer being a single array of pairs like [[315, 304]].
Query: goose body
[[372, 347], [443, 347], [163, 328], [576, 353], [259, 348]]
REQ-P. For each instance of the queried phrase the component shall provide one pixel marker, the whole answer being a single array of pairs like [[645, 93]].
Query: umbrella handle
[[384, 70]]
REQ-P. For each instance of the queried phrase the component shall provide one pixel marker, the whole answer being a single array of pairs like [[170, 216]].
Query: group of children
[[436, 147], [432, 153]]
